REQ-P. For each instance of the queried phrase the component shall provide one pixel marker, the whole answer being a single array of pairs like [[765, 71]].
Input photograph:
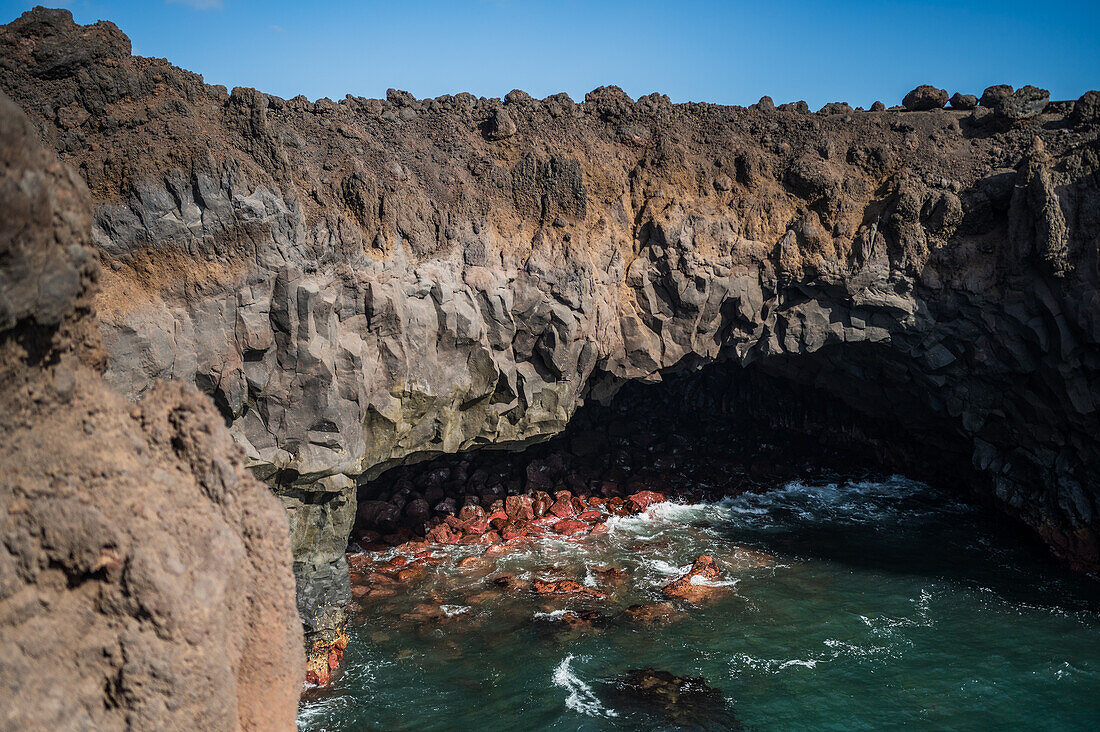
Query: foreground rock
[[364, 283], [683, 702], [144, 574]]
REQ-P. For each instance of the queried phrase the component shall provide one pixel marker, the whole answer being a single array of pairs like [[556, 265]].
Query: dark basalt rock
[[1024, 103], [993, 95], [963, 101], [684, 702], [924, 98]]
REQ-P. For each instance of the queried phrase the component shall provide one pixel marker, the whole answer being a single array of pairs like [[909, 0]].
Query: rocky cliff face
[[145, 576], [367, 282]]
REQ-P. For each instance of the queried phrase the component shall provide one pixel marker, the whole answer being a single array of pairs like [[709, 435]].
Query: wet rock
[[640, 501], [692, 586], [611, 576], [569, 527], [566, 587], [653, 612], [684, 702], [563, 505], [519, 508], [924, 98]]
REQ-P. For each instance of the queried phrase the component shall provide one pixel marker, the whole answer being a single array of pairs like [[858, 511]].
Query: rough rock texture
[[144, 574], [369, 282], [924, 98]]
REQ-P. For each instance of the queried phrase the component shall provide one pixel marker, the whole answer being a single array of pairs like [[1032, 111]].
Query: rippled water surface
[[887, 604]]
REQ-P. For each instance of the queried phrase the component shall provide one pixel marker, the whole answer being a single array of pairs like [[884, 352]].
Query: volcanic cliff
[[145, 575], [364, 283]]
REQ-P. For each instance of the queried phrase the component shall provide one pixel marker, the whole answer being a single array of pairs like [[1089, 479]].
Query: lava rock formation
[[365, 283]]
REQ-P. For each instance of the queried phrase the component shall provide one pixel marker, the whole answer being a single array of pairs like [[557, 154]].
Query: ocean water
[[862, 605]]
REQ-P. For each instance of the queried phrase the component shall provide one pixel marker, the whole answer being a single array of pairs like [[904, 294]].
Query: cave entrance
[[718, 431]]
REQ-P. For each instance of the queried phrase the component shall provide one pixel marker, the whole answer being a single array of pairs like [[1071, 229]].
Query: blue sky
[[692, 50]]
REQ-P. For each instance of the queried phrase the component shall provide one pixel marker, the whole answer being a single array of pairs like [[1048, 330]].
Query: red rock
[[570, 527], [598, 529], [509, 533], [471, 562], [563, 509], [596, 501], [475, 526], [412, 547], [497, 519], [471, 512], [519, 508], [454, 522], [394, 564], [442, 534], [589, 516], [684, 589], [642, 500], [541, 503], [566, 587], [411, 573]]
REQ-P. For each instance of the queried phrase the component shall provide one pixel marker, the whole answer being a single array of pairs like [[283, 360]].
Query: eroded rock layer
[[368, 282], [145, 575]]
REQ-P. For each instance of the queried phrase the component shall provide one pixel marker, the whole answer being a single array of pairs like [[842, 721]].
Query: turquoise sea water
[[887, 605]]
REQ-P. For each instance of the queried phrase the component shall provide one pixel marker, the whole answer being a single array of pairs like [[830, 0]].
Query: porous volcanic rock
[[924, 98], [145, 575], [357, 288]]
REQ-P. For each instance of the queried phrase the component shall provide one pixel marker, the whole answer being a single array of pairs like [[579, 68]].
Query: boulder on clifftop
[[925, 97]]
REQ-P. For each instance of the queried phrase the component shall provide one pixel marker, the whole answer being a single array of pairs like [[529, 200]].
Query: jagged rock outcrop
[[363, 283], [145, 575]]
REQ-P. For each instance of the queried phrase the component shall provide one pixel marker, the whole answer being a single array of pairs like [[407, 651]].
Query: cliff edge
[[145, 575]]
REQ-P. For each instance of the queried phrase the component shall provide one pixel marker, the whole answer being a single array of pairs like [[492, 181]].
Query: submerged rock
[[684, 702]]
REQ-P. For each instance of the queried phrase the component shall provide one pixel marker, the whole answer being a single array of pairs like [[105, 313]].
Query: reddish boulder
[[642, 500], [513, 532], [688, 587], [475, 526], [590, 515], [563, 508], [519, 508], [471, 512], [541, 503], [570, 527]]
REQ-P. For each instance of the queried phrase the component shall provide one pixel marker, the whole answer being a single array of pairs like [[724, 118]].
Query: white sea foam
[[451, 610], [581, 698]]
